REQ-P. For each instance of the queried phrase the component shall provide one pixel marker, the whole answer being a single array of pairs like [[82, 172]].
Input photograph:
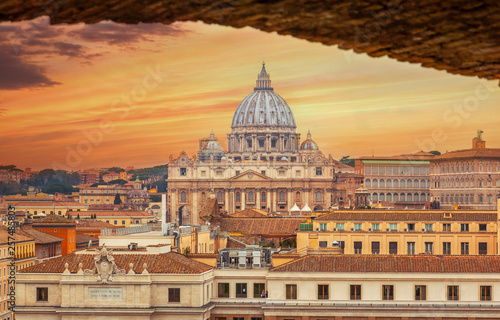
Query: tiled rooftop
[[170, 262], [115, 213], [49, 204], [40, 237], [93, 224], [53, 219], [408, 216], [392, 263], [18, 237], [262, 226], [470, 153], [249, 213]]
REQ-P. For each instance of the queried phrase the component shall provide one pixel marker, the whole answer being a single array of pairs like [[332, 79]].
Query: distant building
[[122, 218], [44, 208], [398, 181], [88, 177], [47, 246], [408, 232], [468, 178], [60, 227]]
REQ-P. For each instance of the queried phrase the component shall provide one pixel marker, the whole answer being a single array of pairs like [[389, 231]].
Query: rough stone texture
[[460, 36]]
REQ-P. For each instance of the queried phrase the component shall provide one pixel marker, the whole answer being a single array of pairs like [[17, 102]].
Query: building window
[[358, 247], [464, 248], [393, 248], [322, 291], [319, 171], [174, 295], [446, 247], [387, 292], [291, 291], [355, 292], [452, 293], [420, 292], [446, 227], [428, 227], [485, 293], [483, 248], [259, 290], [123, 222], [375, 247], [203, 173], [183, 196], [482, 227], [411, 227], [376, 226], [115, 222], [429, 247], [340, 226], [219, 196], [183, 171], [241, 290], [263, 196], [282, 195], [42, 294], [250, 196], [393, 227], [223, 290], [464, 227], [318, 196], [261, 143], [322, 226], [238, 197], [358, 226]]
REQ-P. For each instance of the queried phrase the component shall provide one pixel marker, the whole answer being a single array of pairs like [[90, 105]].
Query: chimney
[[478, 142]]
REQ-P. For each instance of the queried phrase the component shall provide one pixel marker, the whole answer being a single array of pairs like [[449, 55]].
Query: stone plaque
[[105, 293]]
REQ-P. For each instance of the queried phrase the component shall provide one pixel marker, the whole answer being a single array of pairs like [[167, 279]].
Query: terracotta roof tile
[[4, 236], [49, 204], [392, 263], [53, 218], [93, 224], [40, 237], [261, 226], [84, 239], [170, 262], [413, 215], [115, 213], [470, 153], [249, 213]]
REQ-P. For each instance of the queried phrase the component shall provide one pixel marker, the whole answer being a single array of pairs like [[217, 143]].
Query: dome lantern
[[263, 79]]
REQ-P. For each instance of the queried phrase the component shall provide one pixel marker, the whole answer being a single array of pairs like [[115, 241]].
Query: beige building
[[313, 287], [39, 209], [468, 179], [266, 166], [406, 232], [399, 181]]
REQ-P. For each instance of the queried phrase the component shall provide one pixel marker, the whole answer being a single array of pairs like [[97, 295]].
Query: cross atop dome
[[263, 79]]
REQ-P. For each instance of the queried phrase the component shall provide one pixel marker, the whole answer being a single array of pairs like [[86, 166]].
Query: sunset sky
[[89, 96]]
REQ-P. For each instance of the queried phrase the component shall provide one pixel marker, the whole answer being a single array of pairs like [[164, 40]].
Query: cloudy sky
[[88, 96]]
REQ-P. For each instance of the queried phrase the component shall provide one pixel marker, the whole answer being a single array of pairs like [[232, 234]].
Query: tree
[[78, 216], [118, 200], [59, 187], [155, 198], [348, 161], [10, 188], [118, 181], [437, 153]]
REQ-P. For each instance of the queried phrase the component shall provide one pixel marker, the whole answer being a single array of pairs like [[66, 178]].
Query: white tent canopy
[[295, 208], [306, 208]]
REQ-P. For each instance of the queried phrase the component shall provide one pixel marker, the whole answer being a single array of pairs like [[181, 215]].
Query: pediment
[[250, 175]]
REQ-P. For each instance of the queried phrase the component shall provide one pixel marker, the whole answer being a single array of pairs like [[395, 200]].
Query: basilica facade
[[265, 166]]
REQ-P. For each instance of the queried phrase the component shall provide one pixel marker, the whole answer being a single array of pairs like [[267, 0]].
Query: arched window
[[250, 196], [408, 183], [402, 197], [422, 183], [318, 196], [183, 196], [219, 196], [389, 197], [297, 196], [409, 197], [428, 197], [389, 183], [238, 197], [402, 183], [422, 197], [382, 183], [382, 197], [396, 197], [203, 196], [282, 195], [396, 183], [375, 183], [375, 196], [263, 197], [368, 183], [415, 183]]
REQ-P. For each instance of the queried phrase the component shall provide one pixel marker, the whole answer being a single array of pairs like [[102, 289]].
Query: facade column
[[194, 216], [243, 199], [268, 199], [232, 201], [289, 191], [257, 199], [226, 200], [306, 196], [173, 205], [274, 201]]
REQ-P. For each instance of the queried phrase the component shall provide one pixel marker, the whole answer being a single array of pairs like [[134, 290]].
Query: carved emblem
[[250, 175], [105, 266]]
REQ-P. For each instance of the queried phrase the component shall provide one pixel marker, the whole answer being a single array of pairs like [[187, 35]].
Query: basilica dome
[[263, 107], [309, 144]]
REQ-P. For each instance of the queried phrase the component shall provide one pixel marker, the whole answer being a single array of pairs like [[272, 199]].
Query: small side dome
[[284, 159], [309, 144]]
